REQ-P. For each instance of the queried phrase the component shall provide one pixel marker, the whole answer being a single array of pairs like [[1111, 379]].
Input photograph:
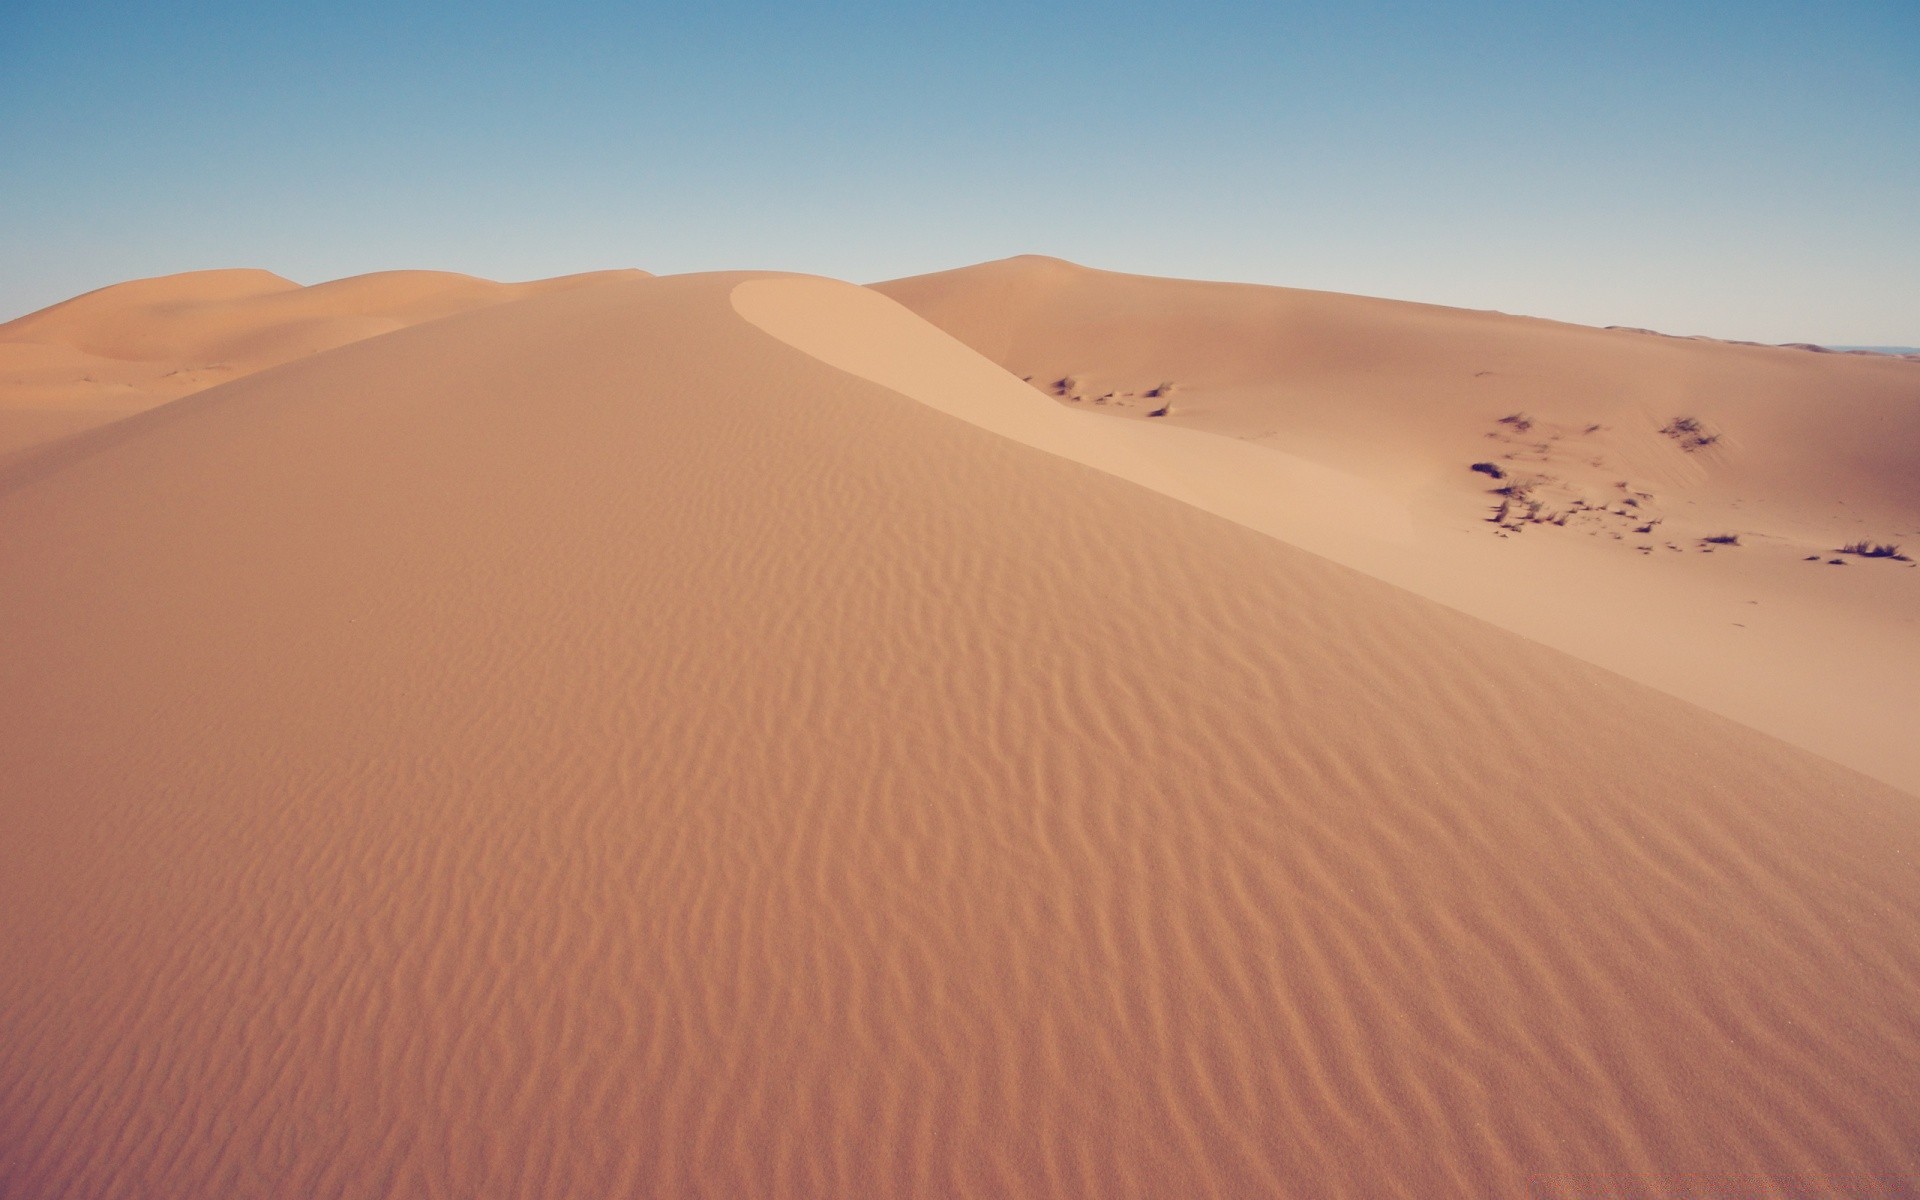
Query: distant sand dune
[[125, 348], [1381, 387], [607, 745]]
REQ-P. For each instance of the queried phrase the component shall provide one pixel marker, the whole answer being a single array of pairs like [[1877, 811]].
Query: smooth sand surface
[[702, 737], [1349, 426], [123, 349]]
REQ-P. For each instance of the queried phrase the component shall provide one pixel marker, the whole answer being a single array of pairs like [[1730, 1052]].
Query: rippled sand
[[607, 744]]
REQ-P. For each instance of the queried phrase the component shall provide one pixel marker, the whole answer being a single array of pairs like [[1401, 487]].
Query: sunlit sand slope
[[591, 746], [1677, 510]]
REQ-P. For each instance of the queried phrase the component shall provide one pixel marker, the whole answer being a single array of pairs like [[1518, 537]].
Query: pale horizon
[[1834, 344]]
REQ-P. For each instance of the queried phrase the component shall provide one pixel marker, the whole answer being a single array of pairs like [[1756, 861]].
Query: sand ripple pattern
[[587, 747]]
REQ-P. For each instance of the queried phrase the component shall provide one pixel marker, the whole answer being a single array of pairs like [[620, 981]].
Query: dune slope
[[1673, 509], [604, 745], [123, 349]]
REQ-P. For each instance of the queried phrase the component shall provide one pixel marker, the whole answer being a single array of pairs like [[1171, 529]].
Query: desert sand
[[728, 735], [1359, 421], [123, 349]]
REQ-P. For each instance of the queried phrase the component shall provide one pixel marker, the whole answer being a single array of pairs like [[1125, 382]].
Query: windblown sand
[[721, 736], [1350, 426]]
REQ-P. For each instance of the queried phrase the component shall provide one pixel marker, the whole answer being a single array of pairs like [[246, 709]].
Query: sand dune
[[1350, 426], [123, 349], [704, 737]]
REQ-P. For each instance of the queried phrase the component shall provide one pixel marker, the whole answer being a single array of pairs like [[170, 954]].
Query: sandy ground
[[1368, 416], [721, 736]]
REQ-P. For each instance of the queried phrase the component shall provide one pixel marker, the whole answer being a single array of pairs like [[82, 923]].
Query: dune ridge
[[1670, 509], [599, 745]]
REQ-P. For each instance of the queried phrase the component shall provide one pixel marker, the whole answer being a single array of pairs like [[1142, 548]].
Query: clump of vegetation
[[1493, 469], [1520, 421], [1690, 433], [1865, 549], [1723, 539], [1165, 389]]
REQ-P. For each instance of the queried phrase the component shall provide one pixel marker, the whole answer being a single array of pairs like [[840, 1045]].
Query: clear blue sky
[[1744, 170]]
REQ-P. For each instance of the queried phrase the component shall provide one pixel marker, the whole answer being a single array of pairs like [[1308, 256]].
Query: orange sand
[[718, 736], [1348, 426], [124, 349]]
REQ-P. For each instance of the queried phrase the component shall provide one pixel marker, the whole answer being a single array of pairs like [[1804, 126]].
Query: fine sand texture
[[710, 736], [1673, 509], [123, 349]]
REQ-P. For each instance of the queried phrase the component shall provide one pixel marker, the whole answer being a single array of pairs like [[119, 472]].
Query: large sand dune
[[123, 349], [718, 736], [1350, 426]]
